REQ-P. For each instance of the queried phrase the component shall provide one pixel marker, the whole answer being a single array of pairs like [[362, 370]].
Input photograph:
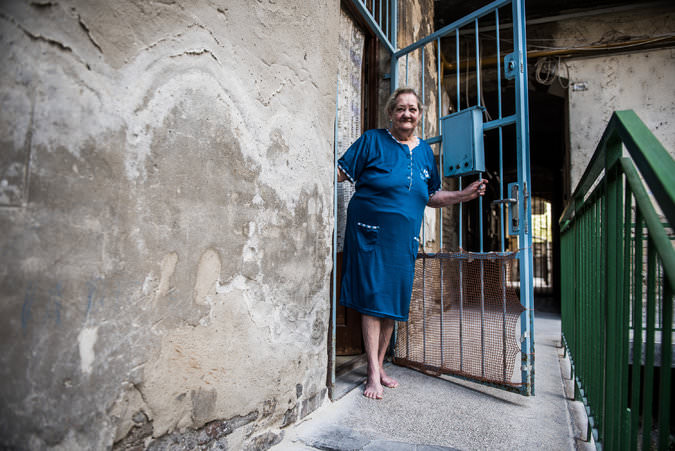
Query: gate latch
[[512, 202], [511, 66]]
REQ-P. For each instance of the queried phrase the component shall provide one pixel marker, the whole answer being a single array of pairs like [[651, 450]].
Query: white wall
[[643, 82]]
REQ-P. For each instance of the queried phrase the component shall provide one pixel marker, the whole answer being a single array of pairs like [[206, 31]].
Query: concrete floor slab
[[426, 413]]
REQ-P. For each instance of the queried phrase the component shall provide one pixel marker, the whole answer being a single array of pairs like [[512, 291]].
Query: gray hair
[[391, 101]]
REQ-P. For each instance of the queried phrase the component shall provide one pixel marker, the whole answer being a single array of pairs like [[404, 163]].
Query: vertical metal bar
[[461, 226], [379, 10], [584, 314], [424, 324], [459, 107], [666, 362], [440, 132], [406, 69], [333, 303], [394, 23], [502, 267], [394, 42], [588, 342], [612, 284], [480, 219], [524, 207], [440, 160], [480, 216], [423, 135], [501, 144], [601, 376], [461, 316], [478, 69], [422, 93], [626, 271], [637, 330], [386, 19], [457, 65], [441, 263], [648, 385], [582, 340], [438, 90], [482, 318]]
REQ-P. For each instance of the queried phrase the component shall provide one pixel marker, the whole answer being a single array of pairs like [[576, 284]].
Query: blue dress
[[393, 186]]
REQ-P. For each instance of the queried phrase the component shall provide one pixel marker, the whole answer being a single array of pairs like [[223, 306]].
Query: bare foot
[[373, 390], [387, 381]]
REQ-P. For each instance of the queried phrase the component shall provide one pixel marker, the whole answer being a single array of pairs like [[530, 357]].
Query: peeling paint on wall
[[86, 341]]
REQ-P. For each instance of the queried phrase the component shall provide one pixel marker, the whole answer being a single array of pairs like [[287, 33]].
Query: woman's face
[[406, 113]]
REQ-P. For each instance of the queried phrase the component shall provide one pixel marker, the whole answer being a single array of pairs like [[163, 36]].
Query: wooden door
[[347, 323]]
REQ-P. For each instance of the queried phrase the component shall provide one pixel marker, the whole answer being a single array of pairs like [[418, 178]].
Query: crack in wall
[[37, 37], [52, 42], [197, 52], [208, 30], [88, 31]]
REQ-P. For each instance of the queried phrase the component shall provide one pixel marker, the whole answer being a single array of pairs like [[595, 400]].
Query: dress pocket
[[367, 236]]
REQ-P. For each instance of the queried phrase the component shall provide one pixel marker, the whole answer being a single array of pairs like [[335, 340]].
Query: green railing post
[[637, 331], [625, 323], [666, 363], [648, 385], [612, 224]]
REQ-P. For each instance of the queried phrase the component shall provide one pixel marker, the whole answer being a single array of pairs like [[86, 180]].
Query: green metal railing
[[618, 274]]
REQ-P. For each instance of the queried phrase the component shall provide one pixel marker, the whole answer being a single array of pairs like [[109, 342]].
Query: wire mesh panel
[[463, 318]]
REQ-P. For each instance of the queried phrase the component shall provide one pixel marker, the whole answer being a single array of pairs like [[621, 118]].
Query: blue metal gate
[[499, 27]]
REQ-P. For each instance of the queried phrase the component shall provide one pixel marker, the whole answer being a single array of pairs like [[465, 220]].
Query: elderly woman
[[395, 177]]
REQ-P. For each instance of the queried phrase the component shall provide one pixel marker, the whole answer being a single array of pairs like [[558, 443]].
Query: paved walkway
[[428, 413]]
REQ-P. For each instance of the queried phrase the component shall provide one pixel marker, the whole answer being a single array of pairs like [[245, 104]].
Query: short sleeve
[[355, 158], [434, 181]]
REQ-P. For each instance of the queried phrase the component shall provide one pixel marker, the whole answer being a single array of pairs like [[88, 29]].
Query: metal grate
[[463, 318]]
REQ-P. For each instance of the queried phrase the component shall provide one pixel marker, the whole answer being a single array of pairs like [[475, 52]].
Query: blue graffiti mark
[[95, 298], [90, 295], [28, 299], [55, 296], [51, 305]]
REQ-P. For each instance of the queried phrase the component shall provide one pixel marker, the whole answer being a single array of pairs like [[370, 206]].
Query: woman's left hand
[[475, 189], [445, 198]]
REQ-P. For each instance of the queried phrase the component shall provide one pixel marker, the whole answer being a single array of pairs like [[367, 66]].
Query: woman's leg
[[386, 329], [372, 328]]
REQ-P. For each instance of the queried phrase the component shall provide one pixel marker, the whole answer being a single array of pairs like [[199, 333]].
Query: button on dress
[[393, 185]]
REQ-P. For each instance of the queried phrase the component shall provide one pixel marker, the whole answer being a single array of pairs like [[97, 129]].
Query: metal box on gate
[[462, 146]]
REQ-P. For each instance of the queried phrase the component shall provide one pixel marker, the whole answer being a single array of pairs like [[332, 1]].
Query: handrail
[[653, 161], [618, 263]]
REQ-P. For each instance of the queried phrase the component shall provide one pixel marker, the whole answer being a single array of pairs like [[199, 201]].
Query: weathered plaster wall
[[165, 207], [642, 80]]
